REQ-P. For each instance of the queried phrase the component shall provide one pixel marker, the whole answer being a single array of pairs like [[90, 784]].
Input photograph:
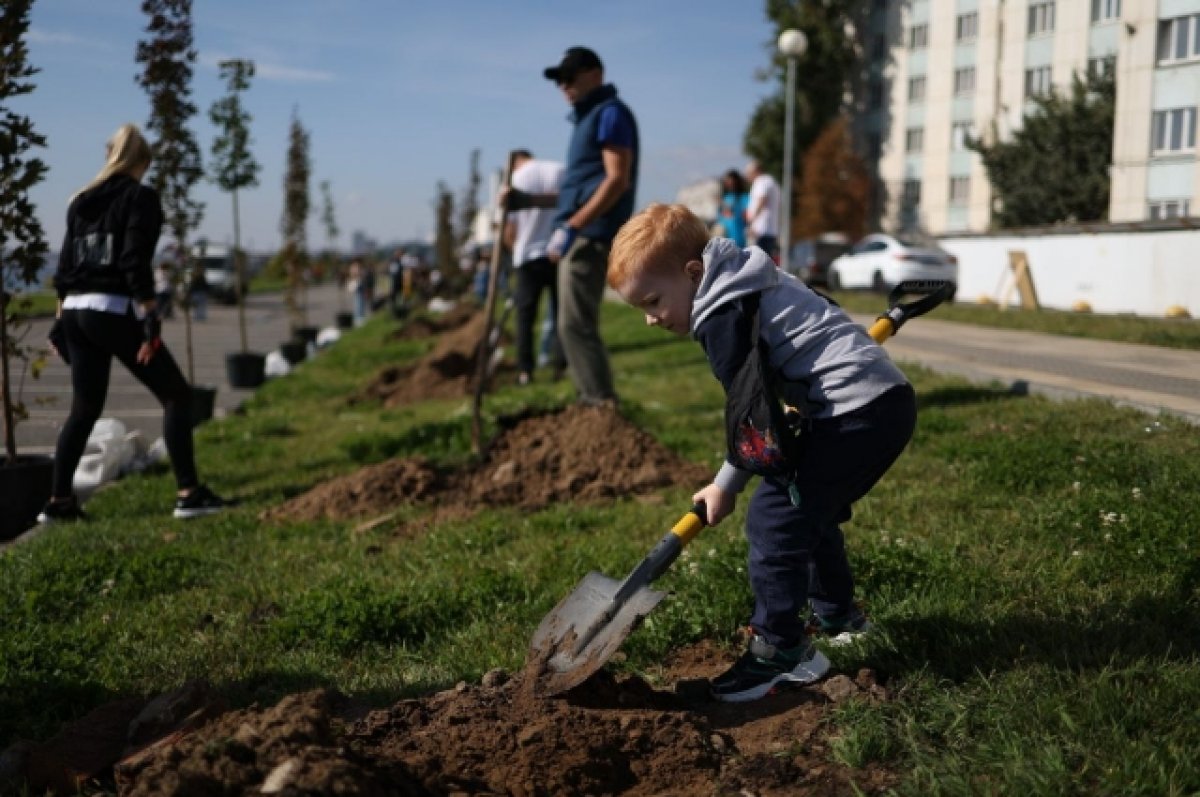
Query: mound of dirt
[[607, 736], [578, 454], [424, 326], [446, 372]]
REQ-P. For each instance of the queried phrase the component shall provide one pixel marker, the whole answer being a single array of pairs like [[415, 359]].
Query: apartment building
[[954, 69]]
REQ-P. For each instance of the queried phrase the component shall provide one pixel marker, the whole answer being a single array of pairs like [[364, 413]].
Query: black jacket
[[131, 217]]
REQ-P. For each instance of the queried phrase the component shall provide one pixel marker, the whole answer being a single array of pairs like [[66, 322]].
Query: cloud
[[39, 36], [269, 71]]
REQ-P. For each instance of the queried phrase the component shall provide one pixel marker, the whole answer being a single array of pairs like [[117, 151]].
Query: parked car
[[219, 271], [879, 262], [809, 259]]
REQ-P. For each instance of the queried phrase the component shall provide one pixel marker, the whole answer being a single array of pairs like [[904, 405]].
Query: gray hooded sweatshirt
[[830, 363]]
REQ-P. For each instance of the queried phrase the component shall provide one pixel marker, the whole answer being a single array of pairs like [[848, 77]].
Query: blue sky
[[396, 94]]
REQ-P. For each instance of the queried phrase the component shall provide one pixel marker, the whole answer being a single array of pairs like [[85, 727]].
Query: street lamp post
[[792, 44]]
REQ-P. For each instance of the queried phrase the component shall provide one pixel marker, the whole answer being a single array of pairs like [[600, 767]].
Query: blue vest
[[585, 167]]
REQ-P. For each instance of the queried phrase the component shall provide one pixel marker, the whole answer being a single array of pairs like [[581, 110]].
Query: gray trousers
[[581, 280]]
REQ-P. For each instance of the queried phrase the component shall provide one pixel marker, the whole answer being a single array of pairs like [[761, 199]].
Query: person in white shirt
[[762, 214], [527, 232]]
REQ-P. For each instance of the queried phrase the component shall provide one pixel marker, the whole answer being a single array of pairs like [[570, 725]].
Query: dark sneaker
[[66, 511], [763, 665], [199, 502], [840, 629]]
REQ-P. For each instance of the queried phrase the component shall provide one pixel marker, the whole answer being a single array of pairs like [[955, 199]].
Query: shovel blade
[[558, 662]]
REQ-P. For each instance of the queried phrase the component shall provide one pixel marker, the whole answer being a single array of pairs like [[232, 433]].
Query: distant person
[[734, 202], [762, 214], [596, 198], [765, 333], [356, 286], [107, 309], [164, 289], [527, 232], [395, 270], [198, 292], [368, 285]]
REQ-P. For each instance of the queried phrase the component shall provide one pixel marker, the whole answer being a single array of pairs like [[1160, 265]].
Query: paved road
[[1148, 377], [267, 325], [1151, 378]]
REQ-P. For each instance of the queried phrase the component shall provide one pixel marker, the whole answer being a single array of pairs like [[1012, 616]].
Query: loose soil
[[424, 326], [608, 736], [579, 454], [446, 372]]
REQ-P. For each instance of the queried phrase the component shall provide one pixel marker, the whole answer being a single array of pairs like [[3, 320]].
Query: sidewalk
[[267, 325], [1151, 378]]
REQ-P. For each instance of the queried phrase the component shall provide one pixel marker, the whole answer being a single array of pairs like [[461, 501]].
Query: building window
[[1179, 39], [914, 139], [1173, 130], [1104, 66], [960, 134], [1041, 18], [964, 80], [1037, 82], [1105, 10], [960, 190], [916, 88], [966, 27], [911, 193], [1168, 209], [918, 37]]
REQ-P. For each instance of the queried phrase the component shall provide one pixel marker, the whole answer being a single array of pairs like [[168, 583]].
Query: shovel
[[588, 626]]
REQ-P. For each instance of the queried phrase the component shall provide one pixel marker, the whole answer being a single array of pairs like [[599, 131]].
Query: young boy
[[861, 413]]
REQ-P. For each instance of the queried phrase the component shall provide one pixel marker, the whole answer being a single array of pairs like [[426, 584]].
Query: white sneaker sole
[[807, 672], [188, 514]]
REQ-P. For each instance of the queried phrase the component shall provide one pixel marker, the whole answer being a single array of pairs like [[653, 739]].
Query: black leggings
[[93, 339]]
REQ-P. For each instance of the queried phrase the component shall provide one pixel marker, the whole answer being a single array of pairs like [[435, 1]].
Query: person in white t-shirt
[[762, 214], [527, 232]]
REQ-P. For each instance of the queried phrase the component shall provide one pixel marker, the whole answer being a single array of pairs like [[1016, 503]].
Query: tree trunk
[[239, 273], [10, 432]]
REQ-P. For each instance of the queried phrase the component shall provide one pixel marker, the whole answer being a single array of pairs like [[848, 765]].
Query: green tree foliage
[[294, 223], [234, 167], [1055, 168], [824, 75], [470, 203], [836, 187], [22, 241], [167, 57]]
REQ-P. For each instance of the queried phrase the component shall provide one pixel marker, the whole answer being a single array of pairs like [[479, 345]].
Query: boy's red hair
[[660, 237]]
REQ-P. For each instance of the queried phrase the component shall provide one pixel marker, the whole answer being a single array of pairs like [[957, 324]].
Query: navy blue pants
[[798, 554]]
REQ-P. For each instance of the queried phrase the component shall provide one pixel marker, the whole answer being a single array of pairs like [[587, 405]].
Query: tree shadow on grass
[[966, 395], [1148, 628]]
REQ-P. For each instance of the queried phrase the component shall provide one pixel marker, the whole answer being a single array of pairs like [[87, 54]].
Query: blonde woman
[[106, 309]]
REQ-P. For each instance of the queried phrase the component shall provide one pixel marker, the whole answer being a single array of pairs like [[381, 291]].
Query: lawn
[[1032, 566], [1176, 333]]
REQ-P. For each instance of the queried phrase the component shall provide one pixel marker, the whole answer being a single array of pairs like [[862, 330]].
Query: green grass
[[1176, 333], [39, 303], [1032, 566]]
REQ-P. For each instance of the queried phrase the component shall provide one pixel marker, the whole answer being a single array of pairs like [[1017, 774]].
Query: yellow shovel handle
[[690, 524]]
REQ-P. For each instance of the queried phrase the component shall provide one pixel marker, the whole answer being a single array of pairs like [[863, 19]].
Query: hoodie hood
[[97, 200], [730, 273]]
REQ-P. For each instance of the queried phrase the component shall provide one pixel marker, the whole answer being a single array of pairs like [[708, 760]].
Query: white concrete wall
[[1116, 272]]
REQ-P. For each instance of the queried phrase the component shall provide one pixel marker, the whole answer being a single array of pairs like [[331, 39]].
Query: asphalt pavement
[[267, 325], [1150, 378]]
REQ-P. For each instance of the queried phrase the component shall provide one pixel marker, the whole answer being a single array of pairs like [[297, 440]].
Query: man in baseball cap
[[574, 61]]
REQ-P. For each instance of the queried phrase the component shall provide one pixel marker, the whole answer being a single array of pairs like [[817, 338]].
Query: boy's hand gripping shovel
[[588, 626]]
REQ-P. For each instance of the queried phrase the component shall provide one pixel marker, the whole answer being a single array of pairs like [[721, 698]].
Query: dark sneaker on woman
[[763, 665], [61, 512], [199, 502]]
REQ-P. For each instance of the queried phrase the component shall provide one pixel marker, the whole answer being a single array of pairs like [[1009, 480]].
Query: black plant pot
[[204, 398], [24, 490], [306, 334], [345, 320], [294, 351], [245, 369]]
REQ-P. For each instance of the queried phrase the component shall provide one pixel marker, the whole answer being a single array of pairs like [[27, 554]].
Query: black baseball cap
[[574, 61]]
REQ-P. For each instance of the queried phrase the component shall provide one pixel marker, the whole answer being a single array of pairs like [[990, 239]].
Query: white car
[[880, 262]]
